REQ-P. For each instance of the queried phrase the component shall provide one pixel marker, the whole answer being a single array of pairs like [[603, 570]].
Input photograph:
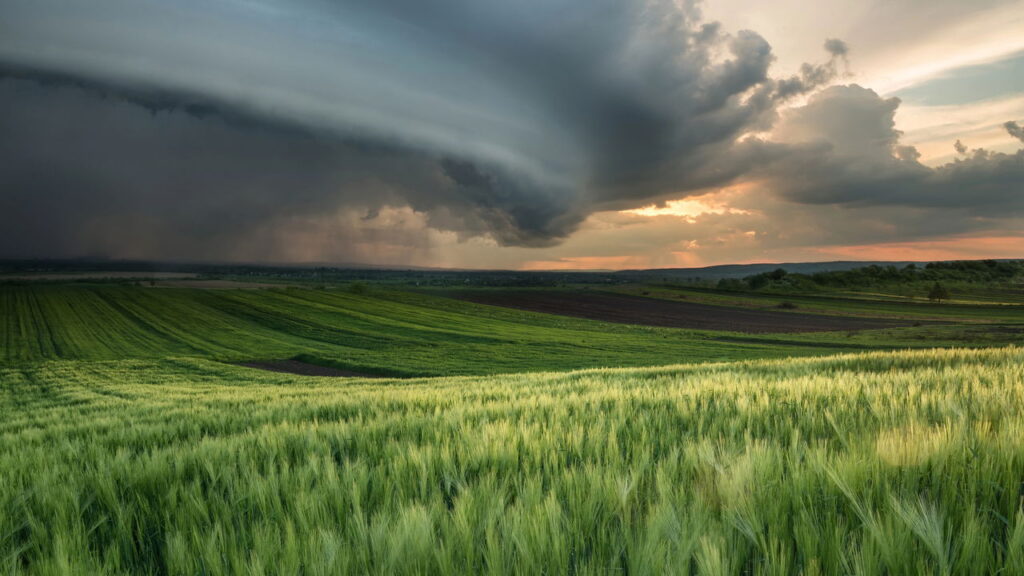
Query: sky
[[537, 134]]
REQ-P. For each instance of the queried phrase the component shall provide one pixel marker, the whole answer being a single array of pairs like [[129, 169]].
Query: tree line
[[937, 273]]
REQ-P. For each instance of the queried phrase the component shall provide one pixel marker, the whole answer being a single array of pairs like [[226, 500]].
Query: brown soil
[[625, 309], [304, 369]]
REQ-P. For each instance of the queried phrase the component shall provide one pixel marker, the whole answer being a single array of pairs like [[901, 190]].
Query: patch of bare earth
[[304, 369], [626, 309]]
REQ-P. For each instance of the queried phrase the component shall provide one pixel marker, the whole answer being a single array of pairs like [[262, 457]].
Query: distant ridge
[[371, 271], [744, 270]]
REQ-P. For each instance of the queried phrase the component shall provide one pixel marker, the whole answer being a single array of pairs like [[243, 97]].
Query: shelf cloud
[[195, 128]]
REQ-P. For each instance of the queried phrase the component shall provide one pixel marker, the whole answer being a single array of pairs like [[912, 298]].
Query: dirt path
[[626, 309], [304, 369]]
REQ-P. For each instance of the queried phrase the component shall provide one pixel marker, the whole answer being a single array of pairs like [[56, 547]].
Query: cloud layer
[[225, 130]]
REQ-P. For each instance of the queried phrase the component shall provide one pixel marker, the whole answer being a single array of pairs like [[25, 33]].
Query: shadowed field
[[303, 369]]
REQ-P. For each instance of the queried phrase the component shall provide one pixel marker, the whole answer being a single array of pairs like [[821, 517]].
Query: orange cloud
[[961, 248], [693, 207], [634, 262], [587, 263]]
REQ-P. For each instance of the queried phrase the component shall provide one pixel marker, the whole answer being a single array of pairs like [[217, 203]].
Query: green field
[[387, 332], [401, 333], [889, 463], [129, 443]]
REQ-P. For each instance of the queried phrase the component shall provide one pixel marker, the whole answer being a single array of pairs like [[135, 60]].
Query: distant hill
[[744, 270], [418, 276]]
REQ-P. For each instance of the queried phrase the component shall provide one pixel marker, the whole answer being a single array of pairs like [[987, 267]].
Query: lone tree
[[938, 293]]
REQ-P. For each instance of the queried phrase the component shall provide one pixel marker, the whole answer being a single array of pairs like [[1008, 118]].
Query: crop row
[[386, 331]]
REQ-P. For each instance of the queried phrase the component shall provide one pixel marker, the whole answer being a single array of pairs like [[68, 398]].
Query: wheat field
[[878, 463]]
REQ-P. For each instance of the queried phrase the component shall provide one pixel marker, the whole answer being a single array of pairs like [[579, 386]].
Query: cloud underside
[[484, 120]]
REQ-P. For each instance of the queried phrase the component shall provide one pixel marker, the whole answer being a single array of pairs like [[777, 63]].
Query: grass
[[404, 333], [128, 444], [880, 463], [401, 332], [385, 332]]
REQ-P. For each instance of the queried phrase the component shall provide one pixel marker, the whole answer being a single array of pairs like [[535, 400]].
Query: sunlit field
[[879, 463]]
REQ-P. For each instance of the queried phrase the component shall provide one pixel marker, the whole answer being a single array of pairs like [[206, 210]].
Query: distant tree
[[729, 284], [758, 281], [938, 293]]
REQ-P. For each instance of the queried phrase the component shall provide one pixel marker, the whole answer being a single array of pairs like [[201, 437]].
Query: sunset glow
[[689, 209]]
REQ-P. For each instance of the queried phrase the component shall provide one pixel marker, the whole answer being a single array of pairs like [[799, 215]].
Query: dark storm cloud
[[204, 129], [513, 120], [150, 98], [82, 170]]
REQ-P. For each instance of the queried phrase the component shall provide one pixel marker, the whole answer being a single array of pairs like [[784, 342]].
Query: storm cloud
[[209, 129]]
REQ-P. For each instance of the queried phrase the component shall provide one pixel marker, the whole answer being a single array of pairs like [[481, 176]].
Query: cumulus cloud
[[844, 149], [837, 47], [225, 129]]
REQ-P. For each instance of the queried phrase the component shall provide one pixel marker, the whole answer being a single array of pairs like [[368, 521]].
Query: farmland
[[401, 333], [395, 333], [499, 440], [875, 464], [621, 308]]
